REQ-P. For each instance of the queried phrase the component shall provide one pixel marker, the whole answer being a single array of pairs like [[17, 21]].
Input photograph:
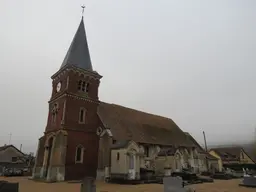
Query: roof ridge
[[10, 145], [118, 105], [141, 126]]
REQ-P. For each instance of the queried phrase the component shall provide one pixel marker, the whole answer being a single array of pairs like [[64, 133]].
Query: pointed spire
[[78, 53]]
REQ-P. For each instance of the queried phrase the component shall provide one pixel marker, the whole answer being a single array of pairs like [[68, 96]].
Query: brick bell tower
[[68, 150]]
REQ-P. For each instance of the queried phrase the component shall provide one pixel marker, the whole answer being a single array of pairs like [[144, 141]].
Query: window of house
[[14, 159], [146, 149], [79, 154], [113, 141], [117, 156]]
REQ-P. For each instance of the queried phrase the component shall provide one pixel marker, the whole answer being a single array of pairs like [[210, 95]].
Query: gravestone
[[175, 184], [88, 185], [244, 171], [9, 187], [249, 181]]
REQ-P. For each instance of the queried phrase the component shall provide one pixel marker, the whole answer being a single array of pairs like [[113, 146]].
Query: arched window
[[87, 87], [79, 154], [83, 86], [79, 85], [146, 151], [82, 115]]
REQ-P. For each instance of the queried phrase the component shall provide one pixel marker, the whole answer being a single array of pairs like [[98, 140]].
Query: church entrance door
[[132, 164]]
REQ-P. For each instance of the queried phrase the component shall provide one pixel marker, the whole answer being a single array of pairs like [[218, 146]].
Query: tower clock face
[[58, 87]]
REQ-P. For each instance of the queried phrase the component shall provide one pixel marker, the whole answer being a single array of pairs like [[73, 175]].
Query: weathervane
[[83, 10]]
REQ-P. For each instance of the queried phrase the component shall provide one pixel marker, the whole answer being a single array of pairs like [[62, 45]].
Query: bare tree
[[27, 159]]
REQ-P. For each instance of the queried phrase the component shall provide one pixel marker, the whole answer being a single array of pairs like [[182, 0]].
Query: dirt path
[[32, 186]]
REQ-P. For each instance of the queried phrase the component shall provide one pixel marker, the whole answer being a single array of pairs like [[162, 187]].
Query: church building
[[81, 129]]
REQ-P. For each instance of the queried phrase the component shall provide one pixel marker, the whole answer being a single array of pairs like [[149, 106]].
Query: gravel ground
[[32, 186]]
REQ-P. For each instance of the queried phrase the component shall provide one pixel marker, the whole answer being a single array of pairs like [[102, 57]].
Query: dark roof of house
[[228, 153], [130, 124], [4, 147], [78, 54], [200, 148], [7, 146]]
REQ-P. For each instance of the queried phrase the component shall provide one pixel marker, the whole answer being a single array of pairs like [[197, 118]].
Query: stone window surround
[[178, 155], [55, 110], [82, 154], [84, 115], [146, 150]]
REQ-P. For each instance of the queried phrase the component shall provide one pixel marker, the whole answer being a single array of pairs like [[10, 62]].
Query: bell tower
[[75, 85], [69, 148]]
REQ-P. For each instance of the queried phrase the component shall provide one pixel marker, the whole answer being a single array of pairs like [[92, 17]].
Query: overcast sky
[[192, 61]]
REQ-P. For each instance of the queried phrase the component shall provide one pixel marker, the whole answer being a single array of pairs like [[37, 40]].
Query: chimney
[[20, 147]]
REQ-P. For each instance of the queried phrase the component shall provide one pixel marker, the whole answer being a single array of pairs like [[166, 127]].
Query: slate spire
[[78, 54]]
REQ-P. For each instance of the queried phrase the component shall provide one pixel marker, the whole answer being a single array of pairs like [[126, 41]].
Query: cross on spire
[[83, 7]]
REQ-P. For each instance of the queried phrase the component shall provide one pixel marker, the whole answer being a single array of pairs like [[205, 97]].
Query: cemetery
[[249, 179], [170, 184], [175, 182]]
